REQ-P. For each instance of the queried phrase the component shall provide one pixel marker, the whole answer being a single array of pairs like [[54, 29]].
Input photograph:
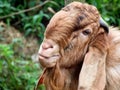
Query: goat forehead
[[62, 19], [62, 22]]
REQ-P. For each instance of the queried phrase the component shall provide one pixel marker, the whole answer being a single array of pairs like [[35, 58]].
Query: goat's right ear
[[93, 75], [104, 25]]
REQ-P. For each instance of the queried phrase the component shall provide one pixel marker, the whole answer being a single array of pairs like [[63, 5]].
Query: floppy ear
[[93, 75]]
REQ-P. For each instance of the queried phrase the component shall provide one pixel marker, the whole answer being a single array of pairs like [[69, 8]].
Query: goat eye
[[86, 32]]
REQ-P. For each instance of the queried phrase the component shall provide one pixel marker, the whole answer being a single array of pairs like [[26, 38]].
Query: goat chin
[[80, 51]]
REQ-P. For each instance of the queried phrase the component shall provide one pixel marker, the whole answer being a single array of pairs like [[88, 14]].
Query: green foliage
[[16, 73], [41, 87], [33, 25], [109, 10], [32, 22]]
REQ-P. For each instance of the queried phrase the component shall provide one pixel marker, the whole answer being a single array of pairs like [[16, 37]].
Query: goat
[[80, 51]]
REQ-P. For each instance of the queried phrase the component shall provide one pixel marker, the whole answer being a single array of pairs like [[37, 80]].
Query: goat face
[[68, 35]]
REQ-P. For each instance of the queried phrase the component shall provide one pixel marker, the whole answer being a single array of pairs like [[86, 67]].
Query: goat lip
[[44, 57]]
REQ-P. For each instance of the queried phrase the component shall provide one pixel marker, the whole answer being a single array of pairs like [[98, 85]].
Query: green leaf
[[28, 31], [27, 25], [54, 3], [37, 19]]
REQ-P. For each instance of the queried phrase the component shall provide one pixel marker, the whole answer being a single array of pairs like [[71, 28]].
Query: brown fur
[[88, 62]]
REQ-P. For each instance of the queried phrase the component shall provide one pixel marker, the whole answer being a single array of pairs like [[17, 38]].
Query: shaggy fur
[[90, 57]]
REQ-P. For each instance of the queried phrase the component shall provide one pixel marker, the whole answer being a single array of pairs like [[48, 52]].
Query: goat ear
[[92, 75], [104, 25]]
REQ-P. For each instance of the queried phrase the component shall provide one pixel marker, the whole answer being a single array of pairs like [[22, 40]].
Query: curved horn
[[104, 25]]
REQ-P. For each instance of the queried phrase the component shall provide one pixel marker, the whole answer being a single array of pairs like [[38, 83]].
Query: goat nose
[[47, 46]]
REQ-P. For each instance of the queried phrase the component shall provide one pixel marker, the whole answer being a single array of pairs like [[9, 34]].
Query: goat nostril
[[46, 46]]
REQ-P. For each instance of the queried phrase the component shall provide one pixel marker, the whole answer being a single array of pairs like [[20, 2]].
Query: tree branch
[[26, 10]]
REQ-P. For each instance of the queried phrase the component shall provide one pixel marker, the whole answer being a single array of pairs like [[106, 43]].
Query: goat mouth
[[44, 57]]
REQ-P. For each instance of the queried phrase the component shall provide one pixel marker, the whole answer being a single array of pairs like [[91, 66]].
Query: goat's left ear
[[104, 25]]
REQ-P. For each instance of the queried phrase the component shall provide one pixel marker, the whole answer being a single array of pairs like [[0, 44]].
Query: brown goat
[[78, 51]]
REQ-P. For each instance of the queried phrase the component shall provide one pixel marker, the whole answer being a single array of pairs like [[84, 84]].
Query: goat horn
[[104, 25]]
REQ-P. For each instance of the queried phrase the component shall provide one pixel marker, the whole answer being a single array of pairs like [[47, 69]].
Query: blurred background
[[22, 24]]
